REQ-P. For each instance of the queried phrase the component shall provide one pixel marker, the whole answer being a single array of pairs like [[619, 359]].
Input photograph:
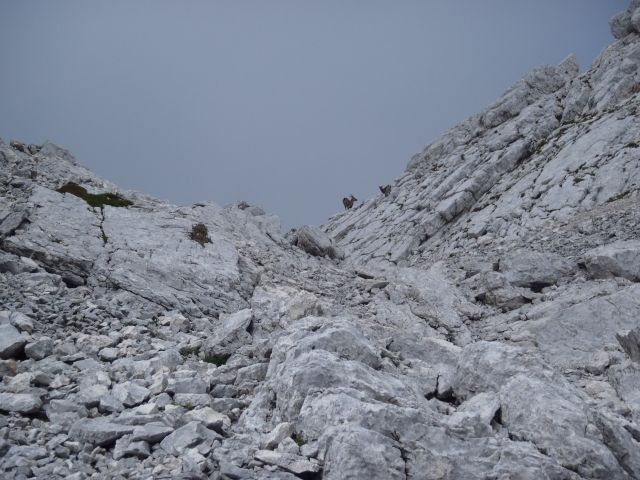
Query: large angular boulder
[[231, 334], [317, 243], [12, 342], [98, 431], [192, 434], [535, 270], [626, 22], [629, 340], [618, 259], [39, 349]]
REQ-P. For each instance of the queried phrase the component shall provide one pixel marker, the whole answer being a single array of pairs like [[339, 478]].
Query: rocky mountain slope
[[482, 321]]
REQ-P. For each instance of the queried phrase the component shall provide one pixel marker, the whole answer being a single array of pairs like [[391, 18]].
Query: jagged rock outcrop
[[479, 321]]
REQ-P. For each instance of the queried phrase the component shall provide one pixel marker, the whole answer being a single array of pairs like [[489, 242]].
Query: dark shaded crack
[[496, 421], [404, 453], [541, 450], [447, 396], [103, 235], [138, 294], [309, 475]]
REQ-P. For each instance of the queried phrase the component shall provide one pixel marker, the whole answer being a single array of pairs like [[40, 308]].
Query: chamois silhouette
[[348, 202], [386, 190]]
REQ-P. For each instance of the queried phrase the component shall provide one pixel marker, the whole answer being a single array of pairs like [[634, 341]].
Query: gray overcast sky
[[288, 104]]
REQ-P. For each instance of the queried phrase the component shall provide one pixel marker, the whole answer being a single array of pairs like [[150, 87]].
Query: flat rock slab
[[529, 269], [20, 402], [152, 433], [292, 463], [98, 431]]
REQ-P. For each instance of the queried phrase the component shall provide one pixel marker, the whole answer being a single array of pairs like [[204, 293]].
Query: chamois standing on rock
[[348, 202], [386, 190]]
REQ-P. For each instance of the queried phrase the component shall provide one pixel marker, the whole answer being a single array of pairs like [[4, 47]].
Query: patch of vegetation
[[620, 196], [187, 350], [298, 438], [98, 200], [217, 360], [189, 406], [632, 145], [200, 233]]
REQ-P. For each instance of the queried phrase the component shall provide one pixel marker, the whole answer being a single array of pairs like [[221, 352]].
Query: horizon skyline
[[219, 102]]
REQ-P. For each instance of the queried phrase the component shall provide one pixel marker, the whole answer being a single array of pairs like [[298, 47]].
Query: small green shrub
[[200, 233], [187, 350], [98, 200], [299, 439], [217, 360]]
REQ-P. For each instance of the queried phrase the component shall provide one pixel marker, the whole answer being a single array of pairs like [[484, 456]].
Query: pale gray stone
[[292, 463], [619, 259], [110, 404], [315, 242], [22, 322], [20, 402], [130, 393], [346, 458], [109, 354], [277, 435], [151, 432], [616, 435], [126, 447], [620, 25], [98, 431], [209, 418], [188, 385], [192, 400], [192, 434], [231, 334], [12, 342], [630, 342], [41, 348], [536, 270], [65, 412]]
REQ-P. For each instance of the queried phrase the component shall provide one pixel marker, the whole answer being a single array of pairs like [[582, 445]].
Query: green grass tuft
[[200, 234], [97, 200], [299, 439]]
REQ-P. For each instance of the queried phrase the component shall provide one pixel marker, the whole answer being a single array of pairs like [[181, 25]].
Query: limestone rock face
[[479, 321], [626, 23]]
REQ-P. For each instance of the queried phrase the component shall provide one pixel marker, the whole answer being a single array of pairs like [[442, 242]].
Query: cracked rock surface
[[479, 322]]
